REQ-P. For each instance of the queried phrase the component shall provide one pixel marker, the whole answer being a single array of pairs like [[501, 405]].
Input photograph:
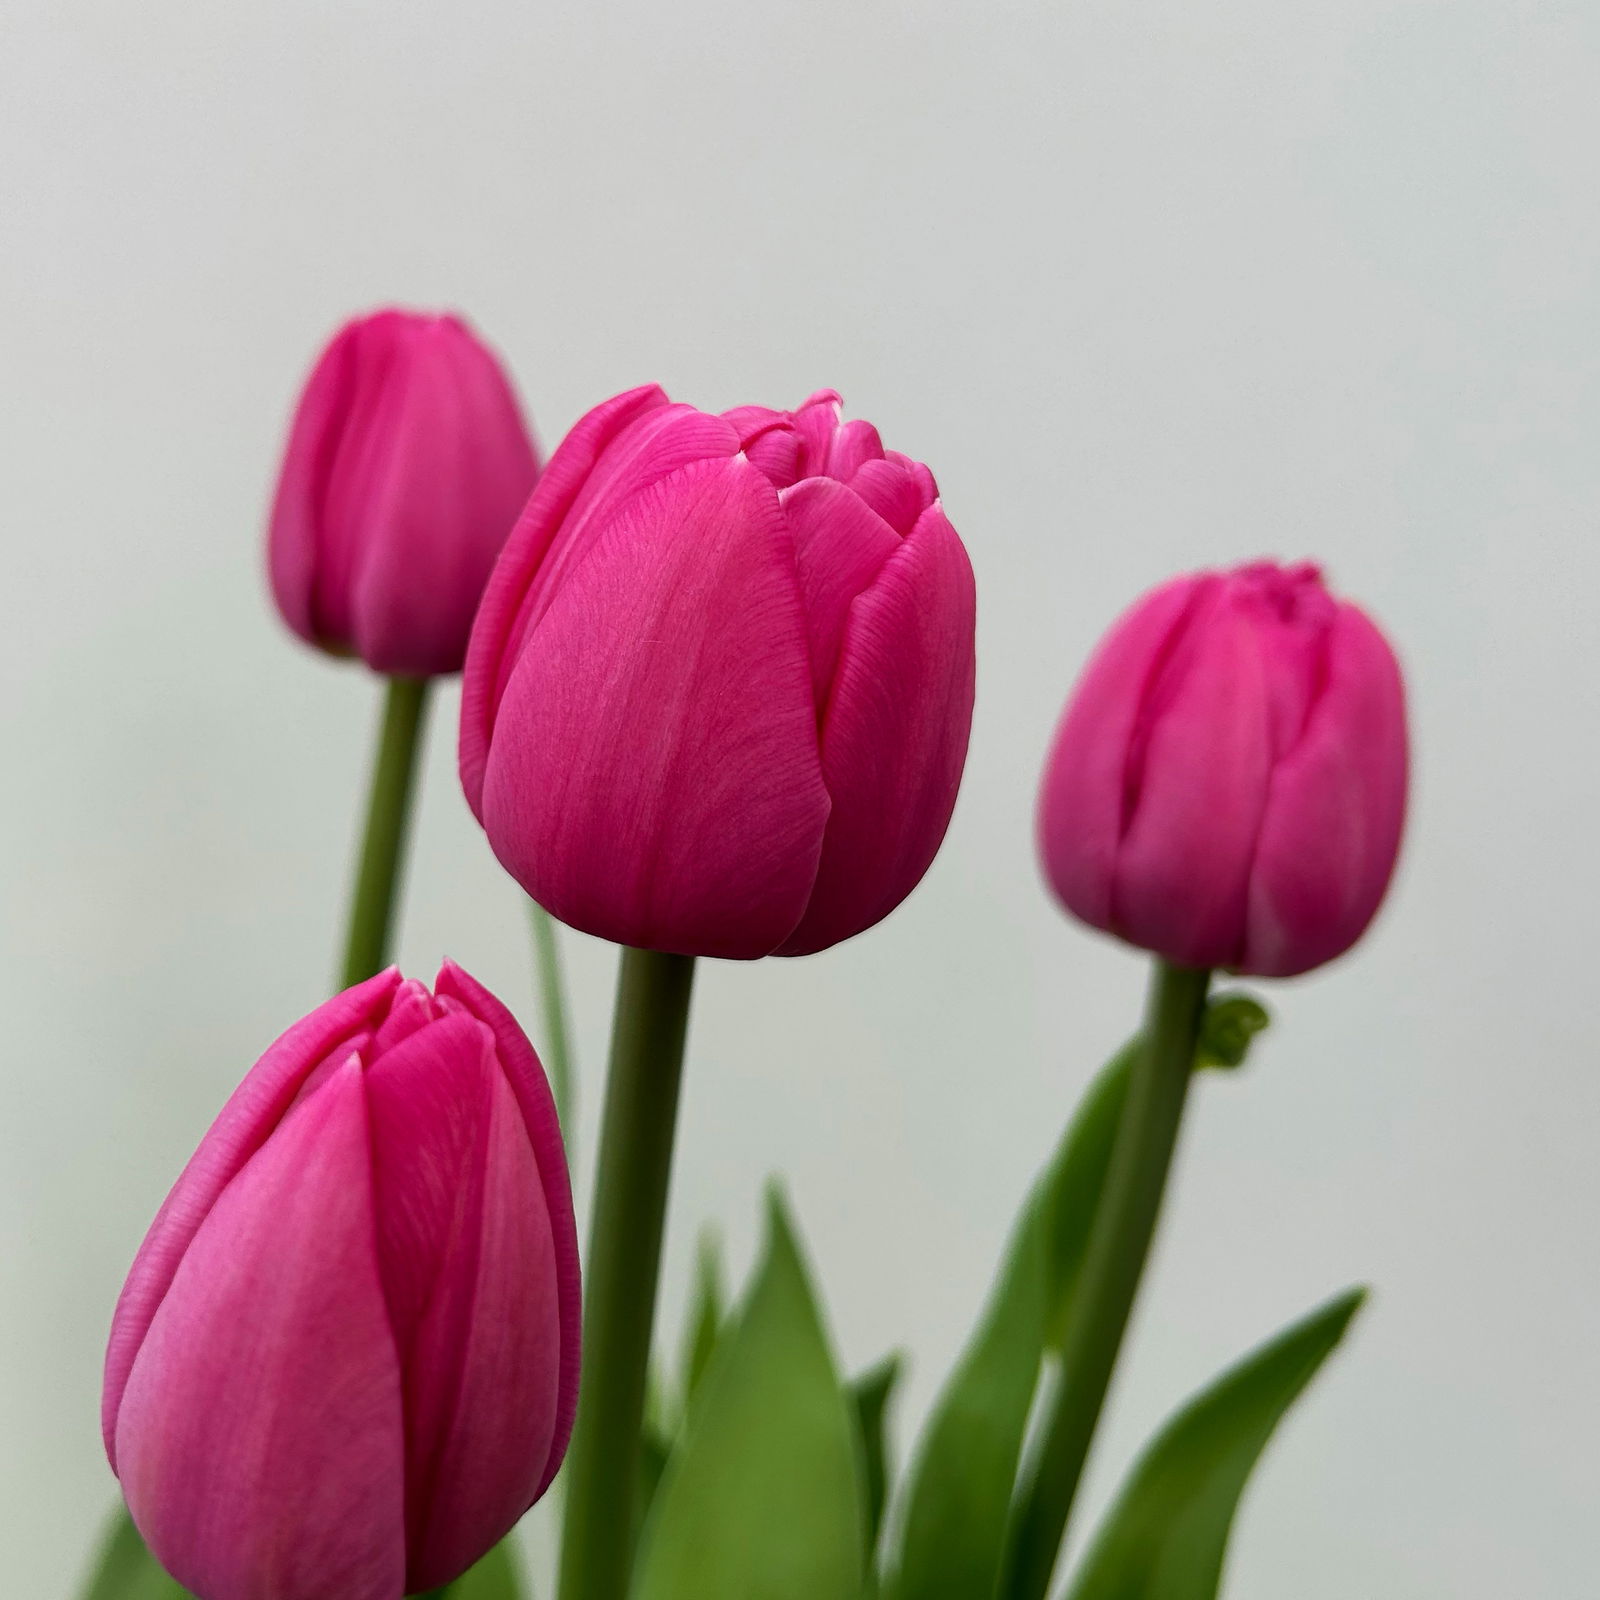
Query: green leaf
[[1073, 1181], [126, 1570], [706, 1315], [1167, 1534], [655, 1450], [762, 1498], [959, 1504], [496, 1577], [1231, 1023], [869, 1395], [960, 1495]]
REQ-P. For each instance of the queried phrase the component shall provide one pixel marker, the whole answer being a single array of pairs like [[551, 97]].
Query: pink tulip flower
[[718, 694], [1228, 783], [407, 465], [346, 1359]]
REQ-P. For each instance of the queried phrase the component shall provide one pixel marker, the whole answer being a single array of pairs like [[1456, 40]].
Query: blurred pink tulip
[[346, 1359], [407, 465], [1228, 784], [718, 694]]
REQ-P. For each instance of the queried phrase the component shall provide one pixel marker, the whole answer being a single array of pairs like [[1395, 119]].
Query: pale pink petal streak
[[250, 1116], [526, 1075], [259, 1438]]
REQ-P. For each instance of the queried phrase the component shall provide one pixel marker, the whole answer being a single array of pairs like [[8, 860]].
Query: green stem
[[394, 772], [553, 1001], [630, 1204], [1119, 1242]]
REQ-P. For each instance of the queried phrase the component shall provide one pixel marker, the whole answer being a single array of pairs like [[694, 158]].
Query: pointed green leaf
[[762, 1499], [959, 1503], [960, 1493], [655, 1450], [869, 1394], [706, 1315], [1167, 1534], [1074, 1179], [496, 1577], [126, 1570]]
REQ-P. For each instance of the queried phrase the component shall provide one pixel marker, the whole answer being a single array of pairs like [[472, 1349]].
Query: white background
[[1150, 286]]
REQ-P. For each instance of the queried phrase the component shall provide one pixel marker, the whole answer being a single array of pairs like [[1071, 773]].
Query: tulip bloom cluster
[[717, 701], [1228, 783], [407, 465], [346, 1358], [718, 695]]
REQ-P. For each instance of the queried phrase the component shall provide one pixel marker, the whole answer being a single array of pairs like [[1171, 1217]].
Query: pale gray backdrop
[[1149, 285]]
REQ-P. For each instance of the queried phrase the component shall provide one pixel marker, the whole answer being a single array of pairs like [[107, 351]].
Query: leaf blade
[[762, 1499], [1166, 1535], [870, 1394], [958, 1507], [707, 1313]]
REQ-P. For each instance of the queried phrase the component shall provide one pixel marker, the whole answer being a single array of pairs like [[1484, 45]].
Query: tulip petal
[[484, 1387], [254, 1110], [1194, 789], [767, 439], [654, 775], [751, 421], [1082, 799], [650, 448], [517, 567], [897, 488], [840, 546], [853, 444], [894, 735], [815, 423], [297, 507], [467, 1261], [427, 1098], [526, 1075], [286, 1484], [457, 468], [776, 453], [1334, 813]]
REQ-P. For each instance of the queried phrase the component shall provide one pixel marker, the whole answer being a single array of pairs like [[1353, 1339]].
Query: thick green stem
[[1124, 1224], [630, 1205], [553, 1002], [394, 772]]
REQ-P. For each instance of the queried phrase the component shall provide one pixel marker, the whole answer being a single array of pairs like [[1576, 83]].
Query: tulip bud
[[1228, 783], [718, 694], [346, 1359], [407, 465]]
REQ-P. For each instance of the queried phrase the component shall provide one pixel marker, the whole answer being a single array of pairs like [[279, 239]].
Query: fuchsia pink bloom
[[718, 694], [346, 1359], [407, 465], [1228, 784]]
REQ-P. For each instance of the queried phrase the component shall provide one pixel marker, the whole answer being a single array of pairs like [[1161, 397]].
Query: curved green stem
[[1125, 1222], [553, 1002], [394, 772], [630, 1204]]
